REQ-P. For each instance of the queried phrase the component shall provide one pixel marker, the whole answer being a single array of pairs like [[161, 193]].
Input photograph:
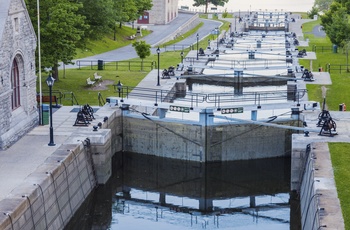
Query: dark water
[[157, 193]]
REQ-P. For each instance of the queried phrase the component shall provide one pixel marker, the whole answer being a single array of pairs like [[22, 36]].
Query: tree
[[322, 5], [61, 30], [99, 15], [125, 10], [344, 3], [130, 10], [207, 2], [313, 12], [347, 47], [225, 14], [143, 5], [142, 49], [335, 24]]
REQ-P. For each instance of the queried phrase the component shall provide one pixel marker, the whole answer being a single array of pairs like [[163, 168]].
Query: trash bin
[[335, 49], [340, 107], [45, 114], [100, 65]]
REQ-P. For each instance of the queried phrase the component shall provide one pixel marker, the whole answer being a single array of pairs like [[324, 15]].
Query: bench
[[132, 37], [97, 77], [89, 82], [46, 99]]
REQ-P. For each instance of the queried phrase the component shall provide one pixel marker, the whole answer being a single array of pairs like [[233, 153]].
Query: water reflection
[[158, 193]]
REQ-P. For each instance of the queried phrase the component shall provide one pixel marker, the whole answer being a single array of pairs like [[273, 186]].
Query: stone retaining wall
[[50, 196], [313, 180]]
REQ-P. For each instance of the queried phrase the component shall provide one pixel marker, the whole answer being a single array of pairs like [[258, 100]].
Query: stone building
[[162, 12], [18, 106]]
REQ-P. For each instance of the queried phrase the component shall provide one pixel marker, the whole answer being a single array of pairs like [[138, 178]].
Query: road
[[158, 33]]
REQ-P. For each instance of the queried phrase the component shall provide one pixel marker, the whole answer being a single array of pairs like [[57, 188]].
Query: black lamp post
[[235, 23], [158, 52], [119, 86], [217, 38], [197, 44], [49, 81], [182, 57]]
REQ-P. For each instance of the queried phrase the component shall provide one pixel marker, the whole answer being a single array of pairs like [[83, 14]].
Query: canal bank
[[312, 173]]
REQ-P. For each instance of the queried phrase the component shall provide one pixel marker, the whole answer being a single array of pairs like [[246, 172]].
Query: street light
[[217, 38], [197, 45], [49, 81], [182, 57], [119, 86], [235, 23], [158, 52]]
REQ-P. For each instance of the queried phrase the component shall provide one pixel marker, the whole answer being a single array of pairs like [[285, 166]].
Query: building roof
[[5, 4]]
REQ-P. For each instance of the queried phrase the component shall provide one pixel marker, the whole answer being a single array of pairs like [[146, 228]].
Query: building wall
[[17, 42], [163, 11]]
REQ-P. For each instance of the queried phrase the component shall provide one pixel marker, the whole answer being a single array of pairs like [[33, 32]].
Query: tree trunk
[[206, 6], [115, 32], [55, 72], [347, 59]]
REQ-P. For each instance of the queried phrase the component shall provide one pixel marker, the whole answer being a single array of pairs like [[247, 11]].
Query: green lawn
[[108, 43], [340, 161]]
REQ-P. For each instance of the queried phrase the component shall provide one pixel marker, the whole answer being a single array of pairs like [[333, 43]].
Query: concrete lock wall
[[196, 142], [308, 196], [52, 193]]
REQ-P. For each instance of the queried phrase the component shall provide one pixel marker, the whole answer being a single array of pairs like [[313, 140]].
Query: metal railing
[[324, 49], [116, 65], [215, 99], [101, 100], [337, 68], [177, 47], [70, 96]]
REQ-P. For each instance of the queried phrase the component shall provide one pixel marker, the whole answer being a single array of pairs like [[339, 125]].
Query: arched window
[[15, 86]]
